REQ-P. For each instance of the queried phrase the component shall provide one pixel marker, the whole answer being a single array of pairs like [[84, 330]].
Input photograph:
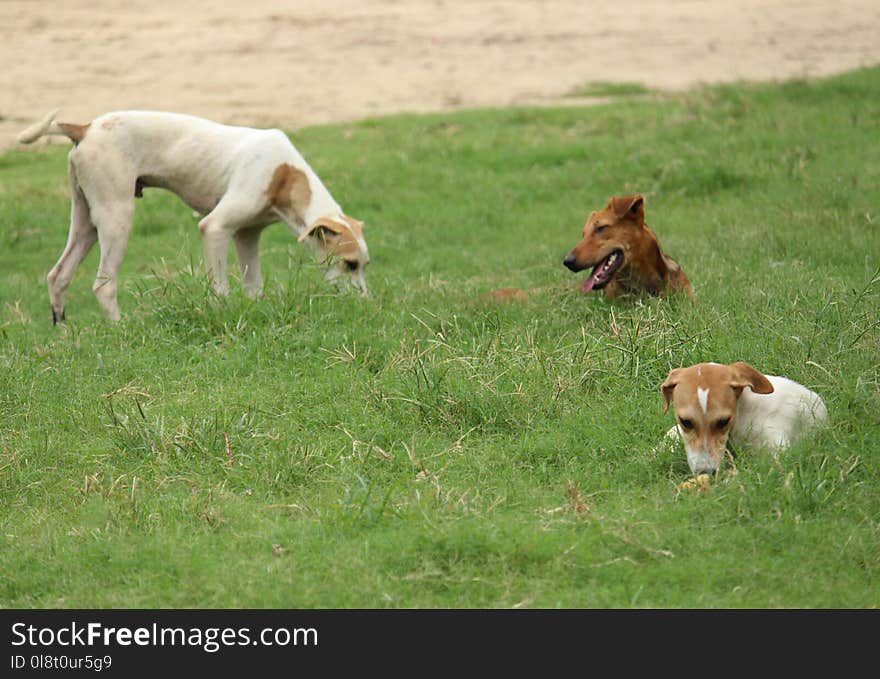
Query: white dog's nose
[[358, 280], [701, 462]]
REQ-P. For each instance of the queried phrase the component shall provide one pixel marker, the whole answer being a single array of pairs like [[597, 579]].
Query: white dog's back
[[776, 420]]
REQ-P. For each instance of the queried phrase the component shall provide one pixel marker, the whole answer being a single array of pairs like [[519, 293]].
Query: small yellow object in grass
[[698, 484]]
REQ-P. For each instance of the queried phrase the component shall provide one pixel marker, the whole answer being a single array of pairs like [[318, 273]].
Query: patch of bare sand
[[290, 64]]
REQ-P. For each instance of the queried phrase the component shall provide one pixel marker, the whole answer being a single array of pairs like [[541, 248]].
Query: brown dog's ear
[[669, 386], [671, 264], [745, 375], [627, 205]]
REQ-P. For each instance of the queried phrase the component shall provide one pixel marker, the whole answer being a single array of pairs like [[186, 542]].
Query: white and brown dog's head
[[339, 243], [338, 240], [705, 398]]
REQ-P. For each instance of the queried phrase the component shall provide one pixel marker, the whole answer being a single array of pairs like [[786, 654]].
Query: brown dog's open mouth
[[603, 271]]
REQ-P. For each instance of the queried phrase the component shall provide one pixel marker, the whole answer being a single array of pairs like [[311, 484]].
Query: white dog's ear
[[322, 227], [745, 375], [669, 386]]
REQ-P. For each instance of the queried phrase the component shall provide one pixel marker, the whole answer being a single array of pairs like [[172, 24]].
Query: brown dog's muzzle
[[603, 269], [571, 263]]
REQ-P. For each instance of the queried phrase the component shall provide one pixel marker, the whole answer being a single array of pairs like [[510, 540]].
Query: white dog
[[242, 179], [713, 402]]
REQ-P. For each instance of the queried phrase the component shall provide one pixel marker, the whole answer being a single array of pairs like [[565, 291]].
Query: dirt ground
[[290, 64]]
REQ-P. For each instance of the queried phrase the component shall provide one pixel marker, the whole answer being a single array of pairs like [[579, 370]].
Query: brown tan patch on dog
[[74, 131], [289, 188], [507, 295]]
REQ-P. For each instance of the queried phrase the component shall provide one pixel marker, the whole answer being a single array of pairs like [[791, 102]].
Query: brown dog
[[624, 253]]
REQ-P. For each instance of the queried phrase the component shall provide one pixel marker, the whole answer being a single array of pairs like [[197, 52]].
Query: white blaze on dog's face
[[339, 241], [705, 398]]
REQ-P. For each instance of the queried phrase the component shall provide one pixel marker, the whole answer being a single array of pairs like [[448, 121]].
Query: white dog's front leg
[[215, 238], [247, 242], [668, 442], [234, 211]]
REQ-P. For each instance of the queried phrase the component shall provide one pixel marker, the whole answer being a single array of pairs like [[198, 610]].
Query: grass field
[[422, 448]]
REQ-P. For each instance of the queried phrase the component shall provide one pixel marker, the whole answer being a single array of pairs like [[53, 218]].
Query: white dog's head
[[339, 242]]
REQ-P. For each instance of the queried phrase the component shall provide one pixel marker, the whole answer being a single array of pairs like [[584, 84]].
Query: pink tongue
[[589, 283]]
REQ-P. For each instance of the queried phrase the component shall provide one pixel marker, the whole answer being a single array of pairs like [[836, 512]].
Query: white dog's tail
[[48, 126]]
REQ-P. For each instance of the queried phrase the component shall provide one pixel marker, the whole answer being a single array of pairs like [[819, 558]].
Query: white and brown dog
[[714, 403], [240, 178]]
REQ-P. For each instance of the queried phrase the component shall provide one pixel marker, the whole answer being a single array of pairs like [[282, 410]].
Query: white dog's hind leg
[[114, 224], [247, 242], [107, 180], [80, 240]]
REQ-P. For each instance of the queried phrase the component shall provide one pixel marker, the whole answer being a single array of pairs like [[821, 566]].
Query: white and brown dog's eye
[[351, 265], [686, 424], [721, 424]]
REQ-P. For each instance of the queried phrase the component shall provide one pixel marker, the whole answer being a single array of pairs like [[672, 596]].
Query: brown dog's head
[[617, 242], [705, 398]]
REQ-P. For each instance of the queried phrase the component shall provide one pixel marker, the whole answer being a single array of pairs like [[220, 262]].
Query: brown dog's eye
[[601, 228], [721, 424], [686, 424]]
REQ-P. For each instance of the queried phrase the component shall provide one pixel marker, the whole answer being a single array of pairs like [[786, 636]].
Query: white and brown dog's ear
[[669, 386], [633, 206], [355, 224], [322, 228], [745, 375]]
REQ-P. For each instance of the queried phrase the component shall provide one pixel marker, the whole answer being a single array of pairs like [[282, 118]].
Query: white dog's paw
[[668, 443]]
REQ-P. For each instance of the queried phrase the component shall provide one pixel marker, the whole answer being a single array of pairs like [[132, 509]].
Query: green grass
[[422, 448], [601, 88]]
